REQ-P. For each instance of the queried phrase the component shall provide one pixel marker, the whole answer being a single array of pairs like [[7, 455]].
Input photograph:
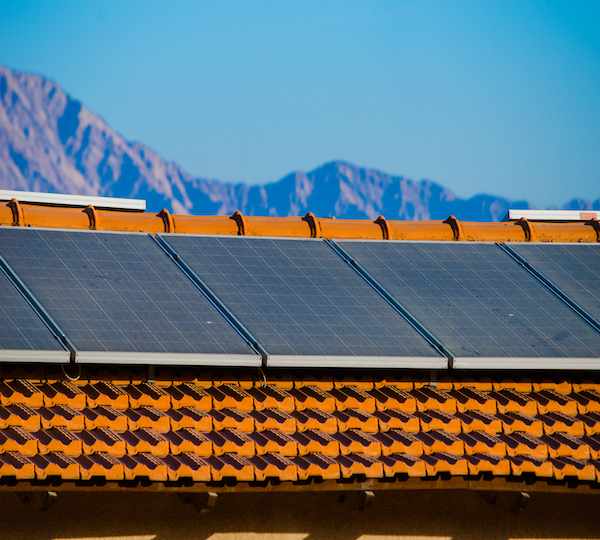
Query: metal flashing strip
[[25, 355], [58, 199], [551, 215], [395, 304], [512, 363], [230, 317], [37, 307], [362, 362], [573, 305], [165, 358]]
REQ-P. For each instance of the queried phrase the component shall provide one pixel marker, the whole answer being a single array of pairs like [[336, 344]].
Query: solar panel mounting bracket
[[230, 317], [392, 301]]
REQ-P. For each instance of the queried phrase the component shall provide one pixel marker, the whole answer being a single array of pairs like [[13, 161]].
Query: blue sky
[[479, 96]]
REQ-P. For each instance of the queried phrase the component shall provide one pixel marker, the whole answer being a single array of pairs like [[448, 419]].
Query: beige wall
[[316, 516]]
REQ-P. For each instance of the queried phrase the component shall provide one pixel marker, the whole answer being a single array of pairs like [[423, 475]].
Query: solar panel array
[[303, 303], [572, 268], [120, 293], [220, 300], [478, 302]]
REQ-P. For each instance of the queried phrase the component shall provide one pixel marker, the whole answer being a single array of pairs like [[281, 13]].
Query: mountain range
[[52, 143]]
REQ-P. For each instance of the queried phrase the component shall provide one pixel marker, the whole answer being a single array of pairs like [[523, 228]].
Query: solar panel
[[482, 305], [303, 303], [573, 268], [119, 298], [24, 337]]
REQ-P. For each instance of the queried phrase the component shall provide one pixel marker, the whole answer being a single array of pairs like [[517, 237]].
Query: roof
[[111, 428]]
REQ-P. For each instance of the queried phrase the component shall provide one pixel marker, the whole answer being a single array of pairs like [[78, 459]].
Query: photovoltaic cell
[[117, 295], [23, 335], [303, 303], [572, 268], [480, 304]]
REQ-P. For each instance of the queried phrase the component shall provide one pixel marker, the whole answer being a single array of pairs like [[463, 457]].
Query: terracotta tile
[[232, 418], [147, 417], [230, 396], [16, 439], [355, 441], [471, 399], [324, 382], [482, 384], [556, 422], [443, 462], [508, 400], [593, 443], [187, 465], [432, 419], [149, 395], [61, 416], [189, 440], [144, 466], [394, 464], [561, 386], [396, 441], [17, 465], [100, 465], [523, 385], [351, 397], [587, 401], [144, 441], [478, 421], [514, 422], [230, 466], [272, 397], [360, 464], [274, 466], [399, 380], [390, 397], [561, 444], [55, 464], [480, 442], [317, 466], [315, 419], [189, 417], [440, 442], [58, 440], [356, 419], [396, 419], [528, 464], [188, 395], [591, 422], [274, 441], [104, 417], [273, 419], [551, 401], [63, 393], [519, 444], [231, 441], [359, 380], [565, 467], [102, 440], [312, 397], [480, 463], [20, 392], [107, 394], [315, 441], [19, 416], [430, 398]]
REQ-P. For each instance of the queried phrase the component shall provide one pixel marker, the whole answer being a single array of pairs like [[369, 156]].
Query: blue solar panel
[[573, 268], [482, 305], [119, 297], [303, 303], [23, 334]]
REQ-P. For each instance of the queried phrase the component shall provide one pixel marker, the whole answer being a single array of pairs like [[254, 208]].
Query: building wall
[[437, 515]]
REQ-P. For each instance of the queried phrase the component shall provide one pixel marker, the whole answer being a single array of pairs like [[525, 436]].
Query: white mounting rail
[[552, 215]]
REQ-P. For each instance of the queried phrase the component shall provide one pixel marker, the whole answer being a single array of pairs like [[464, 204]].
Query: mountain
[[50, 142]]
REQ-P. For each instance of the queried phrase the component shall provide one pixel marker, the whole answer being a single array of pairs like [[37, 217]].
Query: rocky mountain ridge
[[51, 142]]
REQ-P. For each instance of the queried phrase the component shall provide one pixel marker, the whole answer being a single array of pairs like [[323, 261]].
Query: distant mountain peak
[[51, 142]]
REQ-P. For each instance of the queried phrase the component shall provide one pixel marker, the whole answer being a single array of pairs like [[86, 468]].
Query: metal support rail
[[553, 288], [37, 307], [230, 317], [392, 301]]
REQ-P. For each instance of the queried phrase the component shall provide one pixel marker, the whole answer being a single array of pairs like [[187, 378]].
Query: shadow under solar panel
[[572, 268], [481, 304], [24, 337], [303, 303], [118, 297]]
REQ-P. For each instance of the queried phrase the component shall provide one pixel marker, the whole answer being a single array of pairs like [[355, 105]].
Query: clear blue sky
[[499, 97]]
